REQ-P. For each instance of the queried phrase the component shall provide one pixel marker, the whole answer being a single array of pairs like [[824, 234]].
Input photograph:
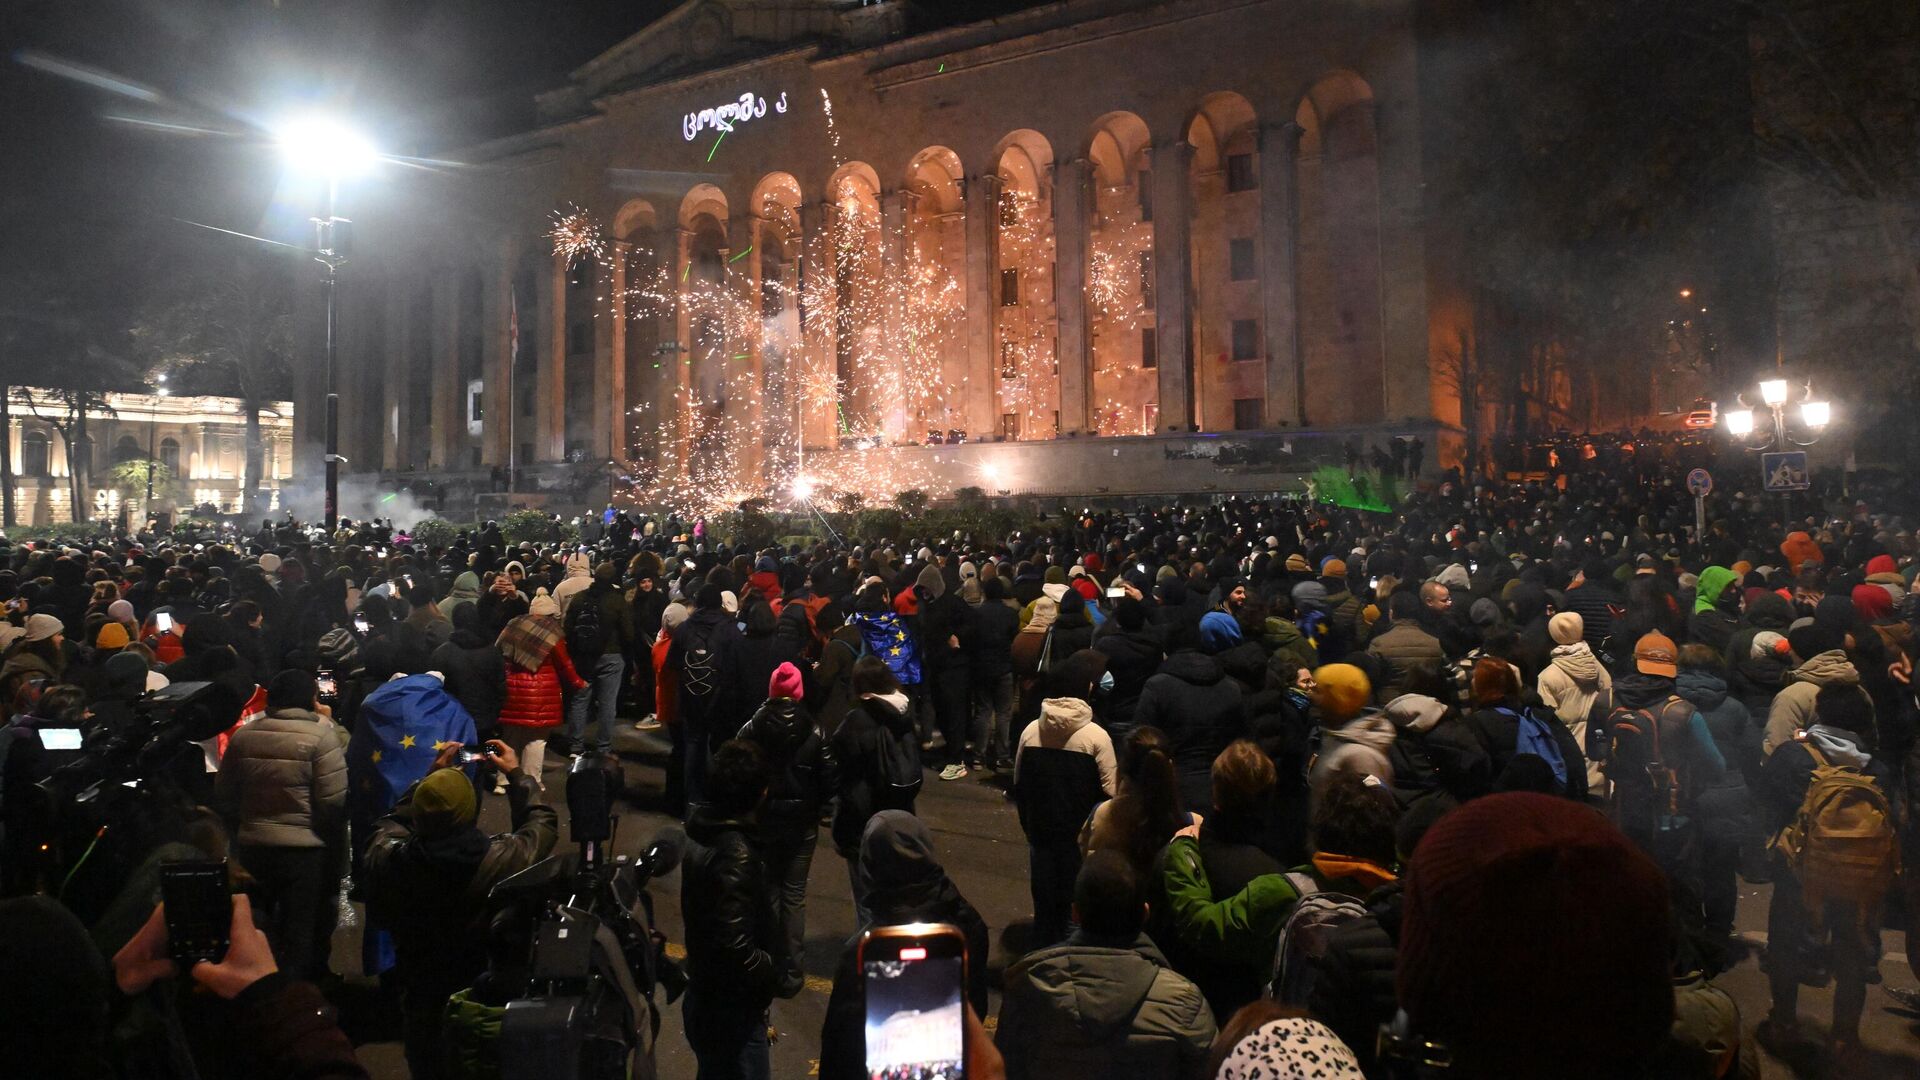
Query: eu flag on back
[[402, 727]]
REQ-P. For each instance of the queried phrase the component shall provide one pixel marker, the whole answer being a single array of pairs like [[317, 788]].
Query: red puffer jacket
[[533, 697]]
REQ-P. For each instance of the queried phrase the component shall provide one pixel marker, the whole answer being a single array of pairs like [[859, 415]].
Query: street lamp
[[320, 146], [153, 420], [1775, 396]]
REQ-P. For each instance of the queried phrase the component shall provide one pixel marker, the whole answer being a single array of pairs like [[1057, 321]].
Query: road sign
[[1784, 470], [1699, 483]]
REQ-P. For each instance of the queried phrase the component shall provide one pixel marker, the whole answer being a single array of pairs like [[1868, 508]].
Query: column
[[983, 368], [393, 406], [1280, 273], [603, 412], [496, 359], [1070, 201], [550, 392], [1172, 270], [894, 413], [679, 418], [815, 417], [618, 422], [446, 422], [747, 407], [359, 351]]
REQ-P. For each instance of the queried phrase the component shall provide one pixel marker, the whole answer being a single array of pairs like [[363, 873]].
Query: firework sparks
[[577, 236]]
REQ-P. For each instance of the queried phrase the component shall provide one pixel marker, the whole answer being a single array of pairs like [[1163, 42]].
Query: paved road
[[978, 839]]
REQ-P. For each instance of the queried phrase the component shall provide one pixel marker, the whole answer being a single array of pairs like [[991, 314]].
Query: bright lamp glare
[[322, 146], [803, 487], [1815, 414], [1739, 421], [1773, 391]]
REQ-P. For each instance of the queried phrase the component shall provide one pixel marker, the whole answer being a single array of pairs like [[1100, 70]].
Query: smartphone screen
[[1116, 592], [61, 738], [329, 686], [915, 977], [199, 909], [163, 622]]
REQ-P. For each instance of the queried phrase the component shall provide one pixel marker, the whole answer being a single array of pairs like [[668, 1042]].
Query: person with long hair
[[1139, 821]]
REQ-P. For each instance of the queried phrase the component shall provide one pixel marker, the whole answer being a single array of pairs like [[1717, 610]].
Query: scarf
[[528, 639]]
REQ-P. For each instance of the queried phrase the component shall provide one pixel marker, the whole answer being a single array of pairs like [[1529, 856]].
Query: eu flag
[[402, 727]]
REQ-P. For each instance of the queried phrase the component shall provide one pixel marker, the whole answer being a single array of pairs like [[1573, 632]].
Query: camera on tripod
[[595, 961]]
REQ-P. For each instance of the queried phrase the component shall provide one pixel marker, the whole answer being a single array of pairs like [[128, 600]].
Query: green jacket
[[470, 1036], [1086, 1009], [1282, 638], [1245, 927]]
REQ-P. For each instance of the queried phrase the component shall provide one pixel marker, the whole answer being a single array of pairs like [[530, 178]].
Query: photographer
[[429, 869]]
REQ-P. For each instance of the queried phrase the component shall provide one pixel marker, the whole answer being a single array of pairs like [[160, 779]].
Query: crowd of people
[[1467, 787]]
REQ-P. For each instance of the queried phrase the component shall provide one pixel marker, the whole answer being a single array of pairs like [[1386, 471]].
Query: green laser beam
[[742, 255], [685, 272], [942, 71], [716, 146], [741, 356]]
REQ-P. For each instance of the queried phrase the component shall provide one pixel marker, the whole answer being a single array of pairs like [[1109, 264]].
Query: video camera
[[595, 960]]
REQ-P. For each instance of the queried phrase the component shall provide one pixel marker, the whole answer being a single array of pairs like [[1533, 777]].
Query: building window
[[1143, 183], [526, 453], [1010, 287], [1149, 347], [1246, 414], [34, 454], [1009, 361], [1240, 259], [170, 454], [1246, 339], [579, 339], [1144, 263], [1239, 173], [1009, 425], [526, 401], [127, 449]]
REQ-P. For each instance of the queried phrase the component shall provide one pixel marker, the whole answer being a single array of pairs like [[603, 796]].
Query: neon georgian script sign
[[723, 117]]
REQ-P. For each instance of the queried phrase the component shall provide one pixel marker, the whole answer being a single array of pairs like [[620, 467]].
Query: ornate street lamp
[[1785, 404]]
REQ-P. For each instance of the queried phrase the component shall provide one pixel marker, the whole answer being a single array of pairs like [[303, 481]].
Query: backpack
[[586, 627], [896, 768], [699, 677], [1304, 938], [1534, 737], [883, 635], [1841, 844], [1637, 767]]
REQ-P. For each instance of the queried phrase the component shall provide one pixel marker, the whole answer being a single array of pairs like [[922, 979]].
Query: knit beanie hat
[[269, 562], [43, 626], [672, 616], [1767, 643], [112, 636], [1219, 631], [544, 604], [1811, 640], [1295, 1048], [1297, 564], [1567, 627], [786, 683], [1487, 957], [1484, 612], [120, 611], [1340, 691], [1333, 568], [443, 802]]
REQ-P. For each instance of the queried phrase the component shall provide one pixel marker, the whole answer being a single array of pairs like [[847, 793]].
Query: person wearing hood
[[1726, 808], [1757, 671], [1134, 652], [1343, 605], [1199, 708], [579, 576], [1105, 1002], [1434, 755], [466, 590], [803, 777], [945, 630], [1064, 767], [703, 657], [1823, 662], [1839, 733], [880, 709], [1355, 739], [1574, 684], [1716, 608], [903, 882], [428, 870], [735, 950]]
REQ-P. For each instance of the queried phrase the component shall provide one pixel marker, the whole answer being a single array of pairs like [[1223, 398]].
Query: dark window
[[1145, 259], [1246, 339], [1149, 347], [579, 339], [1143, 181], [170, 454], [1243, 266], [1009, 210], [1246, 414], [526, 401], [1009, 425], [1010, 287], [1239, 172], [127, 449], [473, 457], [34, 453], [526, 453], [476, 410]]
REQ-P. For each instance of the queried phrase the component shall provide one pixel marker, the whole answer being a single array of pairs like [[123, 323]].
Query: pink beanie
[[786, 683]]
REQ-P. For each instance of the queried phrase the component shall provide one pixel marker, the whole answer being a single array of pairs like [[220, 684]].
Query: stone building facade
[[1103, 243]]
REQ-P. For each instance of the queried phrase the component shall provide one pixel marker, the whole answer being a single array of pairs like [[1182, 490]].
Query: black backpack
[[586, 626], [896, 768], [699, 666]]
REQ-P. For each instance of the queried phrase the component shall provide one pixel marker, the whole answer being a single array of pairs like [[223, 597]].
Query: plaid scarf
[[528, 639]]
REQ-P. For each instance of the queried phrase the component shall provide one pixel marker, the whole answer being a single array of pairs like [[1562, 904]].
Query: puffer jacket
[[1097, 1008], [855, 747], [284, 780], [1201, 710], [1570, 685], [1732, 727], [1358, 746], [533, 697], [1133, 656], [1054, 788], [1400, 648], [800, 764], [1353, 991], [1281, 637], [1792, 707]]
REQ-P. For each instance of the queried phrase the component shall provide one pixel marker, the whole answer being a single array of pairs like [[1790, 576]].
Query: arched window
[[170, 454], [33, 453], [127, 448]]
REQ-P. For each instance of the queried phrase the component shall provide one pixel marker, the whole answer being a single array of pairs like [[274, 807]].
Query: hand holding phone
[[163, 622], [915, 978], [199, 909]]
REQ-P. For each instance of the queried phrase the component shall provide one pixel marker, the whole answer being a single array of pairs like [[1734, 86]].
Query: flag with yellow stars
[[403, 726], [888, 637]]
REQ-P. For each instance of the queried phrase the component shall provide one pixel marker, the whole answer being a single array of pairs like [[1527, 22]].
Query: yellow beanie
[[1340, 691]]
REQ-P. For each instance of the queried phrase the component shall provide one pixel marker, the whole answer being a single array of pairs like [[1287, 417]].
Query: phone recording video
[[199, 909], [360, 624], [915, 977], [163, 622], [329, 686]]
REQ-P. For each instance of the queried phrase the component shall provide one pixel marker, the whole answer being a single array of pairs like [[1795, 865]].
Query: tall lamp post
[[322, 147], [153, 421], [1777, 396]]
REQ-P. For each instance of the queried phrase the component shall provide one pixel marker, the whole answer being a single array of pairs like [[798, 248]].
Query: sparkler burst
[[577, 236]]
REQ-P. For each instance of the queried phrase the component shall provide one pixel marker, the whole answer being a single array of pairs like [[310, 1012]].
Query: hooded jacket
[[1497, 729], [905, 884], [1358, 746], [801, 764], [1734, 733], [1571, 684], [854, 748], [1793, 706], [466, 590], [579, 576], [1711, 624], [1201, 710], [1064, 767], [1101, 1008]]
